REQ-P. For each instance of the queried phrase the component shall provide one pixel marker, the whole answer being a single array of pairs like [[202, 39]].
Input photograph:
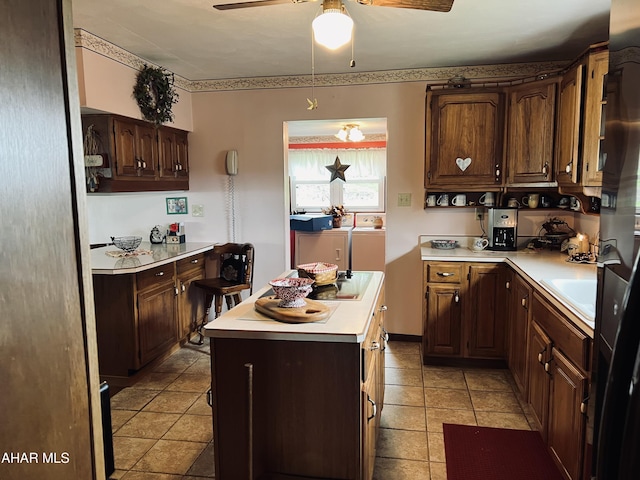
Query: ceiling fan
[[434, 5]]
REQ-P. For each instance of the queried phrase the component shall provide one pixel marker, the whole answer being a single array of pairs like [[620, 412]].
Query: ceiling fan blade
[[434, 5], [257, 3]]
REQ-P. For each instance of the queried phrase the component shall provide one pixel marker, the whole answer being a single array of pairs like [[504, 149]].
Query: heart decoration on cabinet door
[[463, 164]]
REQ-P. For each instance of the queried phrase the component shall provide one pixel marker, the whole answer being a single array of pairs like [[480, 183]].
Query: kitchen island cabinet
[[298, 400], [145, 305]]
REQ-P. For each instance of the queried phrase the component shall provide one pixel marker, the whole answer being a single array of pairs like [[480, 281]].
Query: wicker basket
[[322, 273]]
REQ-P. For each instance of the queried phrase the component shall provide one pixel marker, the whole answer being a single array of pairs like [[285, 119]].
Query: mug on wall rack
[[443, 200], [431, 200], [487, 199], [531, 200], [459, 200]]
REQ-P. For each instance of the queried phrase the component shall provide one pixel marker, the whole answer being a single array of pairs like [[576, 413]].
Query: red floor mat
[[482, 453]]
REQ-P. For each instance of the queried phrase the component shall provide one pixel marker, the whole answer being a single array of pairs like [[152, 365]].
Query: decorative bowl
[[444, 244], [128, 244], [322, 273], [291, 291]]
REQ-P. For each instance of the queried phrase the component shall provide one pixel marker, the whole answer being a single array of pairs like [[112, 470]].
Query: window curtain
[[365, 164]]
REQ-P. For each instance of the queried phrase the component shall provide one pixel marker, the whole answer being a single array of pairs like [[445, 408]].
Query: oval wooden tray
[[312, 312]]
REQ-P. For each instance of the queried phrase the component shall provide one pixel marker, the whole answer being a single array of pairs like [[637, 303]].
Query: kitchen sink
[[581, 294]]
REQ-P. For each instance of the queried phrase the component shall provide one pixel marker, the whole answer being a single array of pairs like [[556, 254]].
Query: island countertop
[[347, 323], [161, 254]]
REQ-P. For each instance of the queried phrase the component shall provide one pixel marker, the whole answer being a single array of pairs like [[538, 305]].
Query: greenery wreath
[[155, 94]]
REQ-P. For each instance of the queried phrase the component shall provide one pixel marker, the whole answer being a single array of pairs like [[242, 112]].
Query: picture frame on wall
[[177, 206]]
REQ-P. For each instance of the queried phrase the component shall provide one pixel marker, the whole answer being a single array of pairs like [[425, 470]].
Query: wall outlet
[[197, 211], [479, 214], [404, 199]]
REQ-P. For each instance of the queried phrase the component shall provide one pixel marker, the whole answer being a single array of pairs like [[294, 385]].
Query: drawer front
[[449, 272], [155, 276], [564, 335], [195, 262]]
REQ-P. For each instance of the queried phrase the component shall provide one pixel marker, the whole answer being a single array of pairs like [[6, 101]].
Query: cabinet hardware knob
[[540, 357], [456, 297], [374, 409], [183, 287], [445, 274], [176, 291], [194, 261], [547, 366], [545, 169], [383, 308], [569, 167], [159, 274], [508, 285], [583, 408], [374, 346]]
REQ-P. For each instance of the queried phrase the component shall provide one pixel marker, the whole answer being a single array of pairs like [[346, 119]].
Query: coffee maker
[[503, 228]]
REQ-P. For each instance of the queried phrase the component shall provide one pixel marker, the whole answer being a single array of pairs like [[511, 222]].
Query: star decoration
[[337, 170]]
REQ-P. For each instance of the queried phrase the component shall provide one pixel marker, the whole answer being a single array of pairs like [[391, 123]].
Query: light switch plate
[[404, 199]]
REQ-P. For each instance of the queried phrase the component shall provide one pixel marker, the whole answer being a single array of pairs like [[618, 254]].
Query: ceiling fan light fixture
[[332, 28], [342, 134]]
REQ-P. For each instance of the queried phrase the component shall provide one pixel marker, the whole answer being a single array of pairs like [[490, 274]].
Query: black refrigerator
[[615, 419]]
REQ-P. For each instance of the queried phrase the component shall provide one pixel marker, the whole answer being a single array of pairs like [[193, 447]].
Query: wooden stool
[[236, 274]]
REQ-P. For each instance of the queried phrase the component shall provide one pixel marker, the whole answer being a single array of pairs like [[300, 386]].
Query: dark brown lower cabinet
[[558, 355]]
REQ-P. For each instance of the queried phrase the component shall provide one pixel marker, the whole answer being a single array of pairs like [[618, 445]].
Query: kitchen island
[[299, 400], [145, 304]]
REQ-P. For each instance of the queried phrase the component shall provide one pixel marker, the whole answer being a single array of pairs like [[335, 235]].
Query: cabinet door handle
[[540, 354], [383, 308], [525, 302], [183, 287], [497, 173], [338, 252], [584, 405], [456, 297], [374, 409], [194, 261], [507, 285], [159, 274], [374, 346], [384, 336], [176, 291], [445, 274], [545, 169], [568, 168]]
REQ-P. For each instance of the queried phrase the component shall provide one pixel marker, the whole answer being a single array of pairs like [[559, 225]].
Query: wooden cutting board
[[312, 312]]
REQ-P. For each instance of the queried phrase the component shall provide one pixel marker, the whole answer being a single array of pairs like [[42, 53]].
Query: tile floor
[[163, 431]]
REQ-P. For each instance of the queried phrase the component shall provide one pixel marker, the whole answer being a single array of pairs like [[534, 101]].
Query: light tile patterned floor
[[163, 430]]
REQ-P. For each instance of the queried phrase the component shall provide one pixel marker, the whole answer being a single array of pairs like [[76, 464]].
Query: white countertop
[[103, 264], [347, 323], [535, 266]]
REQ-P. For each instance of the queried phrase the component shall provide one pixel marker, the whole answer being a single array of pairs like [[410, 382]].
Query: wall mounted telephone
[[231, 163]]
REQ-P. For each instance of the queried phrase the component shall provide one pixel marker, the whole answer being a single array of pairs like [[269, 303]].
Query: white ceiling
[[198, 42]]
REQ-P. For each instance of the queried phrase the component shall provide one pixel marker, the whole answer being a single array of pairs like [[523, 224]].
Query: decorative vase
[[377, 222], [337, 222]]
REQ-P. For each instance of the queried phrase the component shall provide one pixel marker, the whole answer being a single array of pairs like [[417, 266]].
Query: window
[[363, 190]]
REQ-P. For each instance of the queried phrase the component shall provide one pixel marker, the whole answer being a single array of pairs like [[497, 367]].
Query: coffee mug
[[443, 200], [487, 199], [459, 200], [545, 202], [513, 203], [531, 200], [575, 204], [606, 200], [431, 201], [479, 243]]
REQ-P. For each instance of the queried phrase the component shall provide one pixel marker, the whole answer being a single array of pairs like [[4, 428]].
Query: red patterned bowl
[[291, 291]]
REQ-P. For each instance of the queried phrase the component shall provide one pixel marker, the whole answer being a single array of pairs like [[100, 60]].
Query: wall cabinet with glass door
[[464, 137]]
